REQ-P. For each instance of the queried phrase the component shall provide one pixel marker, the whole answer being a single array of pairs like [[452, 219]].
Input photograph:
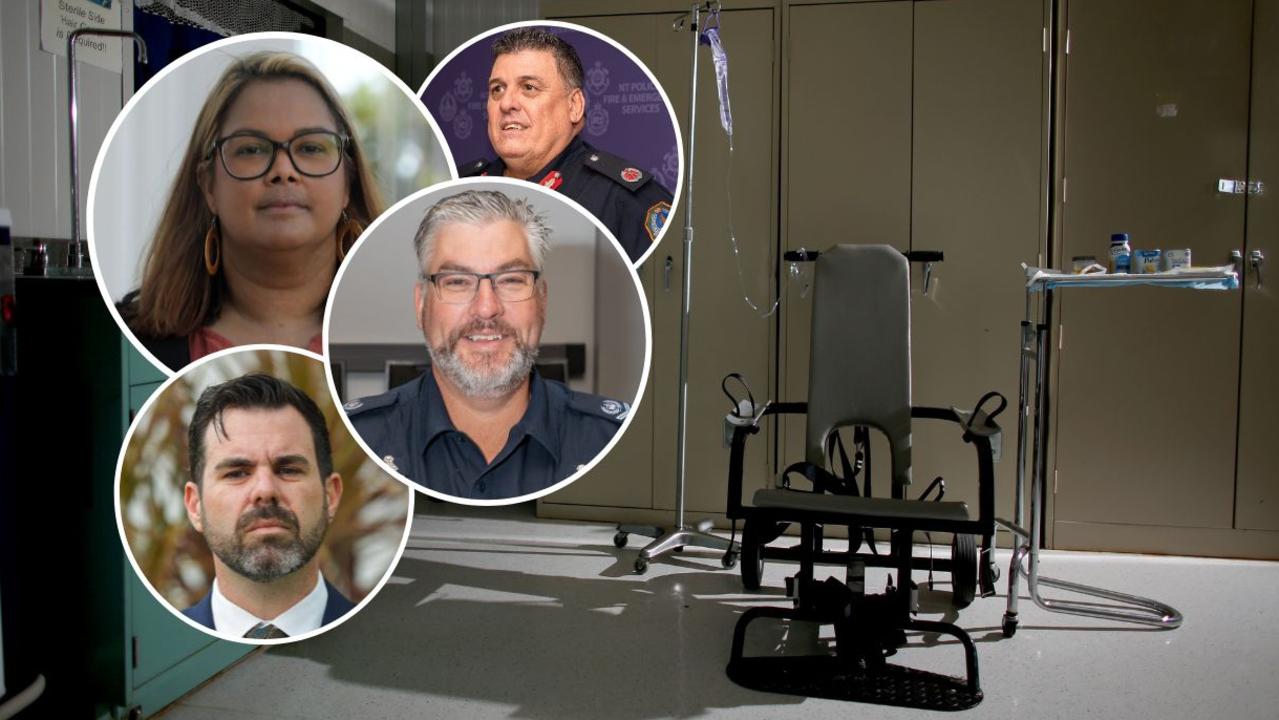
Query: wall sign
[[58, 18]]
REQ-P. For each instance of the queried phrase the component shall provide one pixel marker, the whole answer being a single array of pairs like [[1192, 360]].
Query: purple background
[[625, 114]]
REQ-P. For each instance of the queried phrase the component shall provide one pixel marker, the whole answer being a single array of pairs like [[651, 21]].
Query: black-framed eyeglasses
[[248, 155], [460, 288]]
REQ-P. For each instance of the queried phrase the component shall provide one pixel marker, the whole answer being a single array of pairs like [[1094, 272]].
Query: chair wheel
[[1009, 626], [619, 540], [729, 561], [963, 570], [641, 565]]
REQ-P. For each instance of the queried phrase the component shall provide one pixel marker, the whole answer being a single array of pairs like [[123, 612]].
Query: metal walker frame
[[1025, 559]]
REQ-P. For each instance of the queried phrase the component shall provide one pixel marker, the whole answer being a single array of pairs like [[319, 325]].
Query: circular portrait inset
[[246, 507], [489, 339], [234, 182], [570, 109]]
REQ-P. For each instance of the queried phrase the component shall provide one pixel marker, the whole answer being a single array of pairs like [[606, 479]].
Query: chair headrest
[[859, 363]]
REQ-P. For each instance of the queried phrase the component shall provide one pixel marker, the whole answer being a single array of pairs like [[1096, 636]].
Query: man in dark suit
[[262, 491]]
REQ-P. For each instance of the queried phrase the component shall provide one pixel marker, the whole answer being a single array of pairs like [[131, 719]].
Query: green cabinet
[[74, 610], [162, 658]]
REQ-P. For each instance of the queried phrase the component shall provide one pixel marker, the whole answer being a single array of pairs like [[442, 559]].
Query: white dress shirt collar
[[305, 616]]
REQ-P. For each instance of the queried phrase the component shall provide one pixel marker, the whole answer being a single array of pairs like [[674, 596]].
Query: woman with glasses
[[272, 191]]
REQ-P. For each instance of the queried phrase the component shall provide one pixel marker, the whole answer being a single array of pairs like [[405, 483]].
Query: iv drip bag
[[711, 37]]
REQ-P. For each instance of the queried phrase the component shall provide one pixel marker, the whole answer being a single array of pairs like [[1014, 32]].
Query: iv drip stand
[[682, 536]]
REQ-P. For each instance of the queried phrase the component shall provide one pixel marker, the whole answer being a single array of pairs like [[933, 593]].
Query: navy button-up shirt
[[630, 203], [561, 431]]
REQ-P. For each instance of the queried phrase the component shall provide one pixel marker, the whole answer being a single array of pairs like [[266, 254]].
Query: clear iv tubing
[[710, 37], [732, 239], [794, 271]]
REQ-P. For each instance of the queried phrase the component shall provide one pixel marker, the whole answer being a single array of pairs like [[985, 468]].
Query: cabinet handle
[[1257, 260], [666, 273], [1231, 186]]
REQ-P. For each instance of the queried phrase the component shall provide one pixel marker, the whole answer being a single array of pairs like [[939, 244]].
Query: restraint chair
[[859, 378]]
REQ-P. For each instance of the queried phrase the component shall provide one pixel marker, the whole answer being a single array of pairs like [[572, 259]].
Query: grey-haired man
[[481, 423]]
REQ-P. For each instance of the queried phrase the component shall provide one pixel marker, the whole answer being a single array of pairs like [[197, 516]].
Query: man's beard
[[274, 555], [488, 377]]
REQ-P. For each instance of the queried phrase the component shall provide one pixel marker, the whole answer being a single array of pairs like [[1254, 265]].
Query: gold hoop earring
[[212, 248], [349, 230]]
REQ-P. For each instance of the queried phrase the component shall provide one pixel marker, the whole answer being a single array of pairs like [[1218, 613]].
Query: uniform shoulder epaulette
[[616, 169], [473, 168], [366, 404], [598, 406]]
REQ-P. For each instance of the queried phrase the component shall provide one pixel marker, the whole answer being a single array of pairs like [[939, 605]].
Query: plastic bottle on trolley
[[1120, 253]]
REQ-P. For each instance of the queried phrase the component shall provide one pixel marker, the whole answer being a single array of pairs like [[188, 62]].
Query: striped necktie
[[265, 631]]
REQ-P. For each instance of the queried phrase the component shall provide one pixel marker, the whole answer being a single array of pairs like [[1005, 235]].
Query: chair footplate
[[868, 630], [829, 677]]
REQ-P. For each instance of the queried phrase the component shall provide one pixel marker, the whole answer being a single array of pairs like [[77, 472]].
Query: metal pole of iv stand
[[682, 536]]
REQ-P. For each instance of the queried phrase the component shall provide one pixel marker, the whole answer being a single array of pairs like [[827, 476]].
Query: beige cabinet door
[[977, 196], [847, 156], [1257, 506], [737, 192], [725, 335], [1156, 111], [623, 479], [920, 125]]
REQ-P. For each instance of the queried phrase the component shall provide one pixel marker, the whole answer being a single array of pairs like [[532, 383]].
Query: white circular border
[[159, 77], [462, 184], [677, 195], [128, 549]]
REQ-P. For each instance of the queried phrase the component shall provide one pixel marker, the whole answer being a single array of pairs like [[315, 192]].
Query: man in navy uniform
[[262, 492], [481, 423], [536, 111]]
